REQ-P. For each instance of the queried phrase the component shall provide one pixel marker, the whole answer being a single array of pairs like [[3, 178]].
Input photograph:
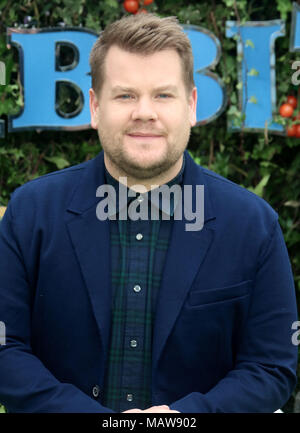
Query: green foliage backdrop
[[267, 164]]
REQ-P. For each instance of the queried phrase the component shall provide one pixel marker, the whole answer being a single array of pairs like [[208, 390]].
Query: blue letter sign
[[295, 43], [211, 92], [255, 47], [295, 30], [42, 75]]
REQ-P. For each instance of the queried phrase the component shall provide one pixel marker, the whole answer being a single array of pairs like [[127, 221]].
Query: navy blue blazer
[[222, 334]]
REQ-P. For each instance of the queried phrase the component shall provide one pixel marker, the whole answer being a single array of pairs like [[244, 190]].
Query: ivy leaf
[[252, 100], [249, 43], [59, 161], [259, 189], [229, 3], [253, 72], [284, 7]]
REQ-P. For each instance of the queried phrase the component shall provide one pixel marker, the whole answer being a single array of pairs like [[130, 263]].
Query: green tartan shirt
[[138, 253]]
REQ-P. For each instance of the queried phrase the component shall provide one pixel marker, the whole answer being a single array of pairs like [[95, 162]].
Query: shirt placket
[[134, 327]]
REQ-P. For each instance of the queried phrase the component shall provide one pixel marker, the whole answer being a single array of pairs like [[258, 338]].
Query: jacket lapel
[[91, 241], [186, 253]]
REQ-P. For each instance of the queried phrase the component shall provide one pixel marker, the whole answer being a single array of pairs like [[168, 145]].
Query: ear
[[193, 106], [94, 109]]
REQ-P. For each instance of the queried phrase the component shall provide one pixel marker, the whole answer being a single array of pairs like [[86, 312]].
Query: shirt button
[[133, 343], [140, 199], [139, 236], [137, 288], [96, 391], [129, 397]]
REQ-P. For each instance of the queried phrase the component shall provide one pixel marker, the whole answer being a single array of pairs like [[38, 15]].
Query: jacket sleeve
[[26, 385], [265, 369]]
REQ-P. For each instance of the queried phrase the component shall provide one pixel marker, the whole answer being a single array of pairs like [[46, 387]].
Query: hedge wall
[[267, 164]]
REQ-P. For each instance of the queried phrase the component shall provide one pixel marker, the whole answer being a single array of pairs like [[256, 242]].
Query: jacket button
[[96, 391]]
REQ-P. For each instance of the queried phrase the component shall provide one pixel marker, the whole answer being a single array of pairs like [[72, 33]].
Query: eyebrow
[[169, 88]]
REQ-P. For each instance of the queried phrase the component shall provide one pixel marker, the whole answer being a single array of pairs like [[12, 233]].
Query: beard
[[132, 167]]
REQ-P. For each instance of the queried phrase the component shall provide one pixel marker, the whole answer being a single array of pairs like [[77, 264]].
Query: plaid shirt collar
[[169, 210]]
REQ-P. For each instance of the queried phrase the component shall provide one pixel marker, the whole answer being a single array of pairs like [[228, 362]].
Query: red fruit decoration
[[292, 100], [286, 110], [291, 131], [297, 131], [297, 117], [147, 2], [131, 6]]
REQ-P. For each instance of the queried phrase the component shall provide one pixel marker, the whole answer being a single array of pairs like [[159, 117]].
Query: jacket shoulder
[[51, 192], [58, 176], [236, 199], [56, 182]]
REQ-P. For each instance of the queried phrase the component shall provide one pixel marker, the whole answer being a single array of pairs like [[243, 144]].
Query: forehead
[[137, 69]]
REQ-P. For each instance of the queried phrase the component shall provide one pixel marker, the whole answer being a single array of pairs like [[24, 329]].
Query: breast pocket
[[220, 294]]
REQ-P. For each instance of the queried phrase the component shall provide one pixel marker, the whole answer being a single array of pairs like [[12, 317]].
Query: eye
[[164, 96], [124, 96]]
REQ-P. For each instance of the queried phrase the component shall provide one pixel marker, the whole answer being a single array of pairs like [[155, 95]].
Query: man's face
[[143, 113]]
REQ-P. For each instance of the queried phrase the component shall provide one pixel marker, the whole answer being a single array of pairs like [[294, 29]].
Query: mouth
[[147, 136]]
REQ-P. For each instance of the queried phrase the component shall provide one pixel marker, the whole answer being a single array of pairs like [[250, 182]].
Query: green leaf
[[253, 72], [59, 161], [229, 3], [259, 189], [284, 7], [249, 43], [252, 100]]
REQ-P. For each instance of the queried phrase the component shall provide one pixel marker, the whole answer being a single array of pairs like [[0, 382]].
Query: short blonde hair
[[144, 34]]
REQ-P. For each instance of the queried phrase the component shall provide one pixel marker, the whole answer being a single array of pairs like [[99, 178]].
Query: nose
[[144, 109]]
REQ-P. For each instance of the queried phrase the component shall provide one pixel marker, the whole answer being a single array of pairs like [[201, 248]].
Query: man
[[125, 314]]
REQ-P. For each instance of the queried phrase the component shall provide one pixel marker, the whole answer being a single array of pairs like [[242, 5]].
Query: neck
[[140, 185]]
